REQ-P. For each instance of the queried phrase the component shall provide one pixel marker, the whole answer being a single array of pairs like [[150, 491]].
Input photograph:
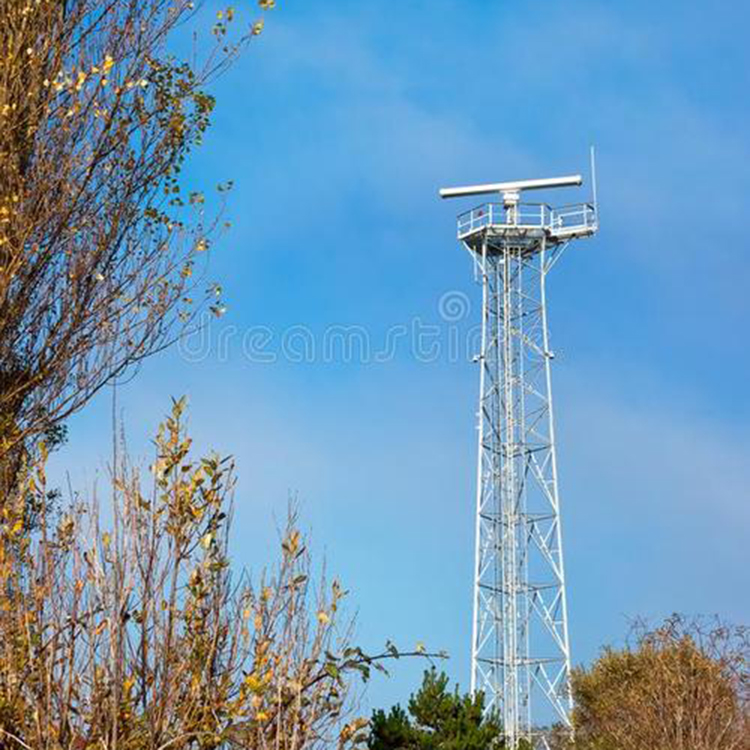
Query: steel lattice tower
[[520, 646]]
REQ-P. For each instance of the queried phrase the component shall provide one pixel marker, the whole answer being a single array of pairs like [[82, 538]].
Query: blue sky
[[337, 128]]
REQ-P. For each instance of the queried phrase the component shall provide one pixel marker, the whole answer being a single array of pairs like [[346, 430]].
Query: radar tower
[[520, 653]]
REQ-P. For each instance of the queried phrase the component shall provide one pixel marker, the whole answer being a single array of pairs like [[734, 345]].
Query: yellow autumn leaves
[[257, 27], [226, 16], [76, 79], [290, 545]]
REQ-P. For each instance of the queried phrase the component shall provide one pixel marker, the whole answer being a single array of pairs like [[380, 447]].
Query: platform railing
[[562, 220], [578, 215]]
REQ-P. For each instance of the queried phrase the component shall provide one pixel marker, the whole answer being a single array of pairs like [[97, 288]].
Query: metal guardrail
[[565, 220]]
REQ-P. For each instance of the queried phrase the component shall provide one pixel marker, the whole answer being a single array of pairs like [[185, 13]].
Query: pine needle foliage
[[437, 719]]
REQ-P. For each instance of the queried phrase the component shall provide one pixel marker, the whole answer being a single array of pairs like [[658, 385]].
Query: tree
[[436, 719], [99, 243], [124, 627], [682, 686]]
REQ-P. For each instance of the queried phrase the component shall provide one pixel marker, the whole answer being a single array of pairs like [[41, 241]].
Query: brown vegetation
[[683, 686], [98, 241], [124, 628]]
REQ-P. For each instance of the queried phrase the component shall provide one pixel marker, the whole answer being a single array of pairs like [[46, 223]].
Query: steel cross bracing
[[520, 650]]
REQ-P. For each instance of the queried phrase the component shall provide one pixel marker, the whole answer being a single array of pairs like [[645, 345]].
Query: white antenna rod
[[593, 182]]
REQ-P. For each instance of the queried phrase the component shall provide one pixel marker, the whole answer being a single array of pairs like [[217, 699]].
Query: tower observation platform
[[529, 221]]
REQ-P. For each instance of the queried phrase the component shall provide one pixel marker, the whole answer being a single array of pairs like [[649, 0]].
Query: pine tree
[[437, 719]]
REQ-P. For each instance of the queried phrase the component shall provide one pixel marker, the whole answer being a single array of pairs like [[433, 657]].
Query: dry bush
[[682, 686], [99, 242], [125, 628]]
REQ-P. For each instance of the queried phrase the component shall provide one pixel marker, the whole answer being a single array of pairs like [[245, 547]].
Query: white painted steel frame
[[520, 643]]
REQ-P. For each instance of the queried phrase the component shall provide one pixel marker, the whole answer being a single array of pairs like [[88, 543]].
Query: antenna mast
[[520, 655]]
